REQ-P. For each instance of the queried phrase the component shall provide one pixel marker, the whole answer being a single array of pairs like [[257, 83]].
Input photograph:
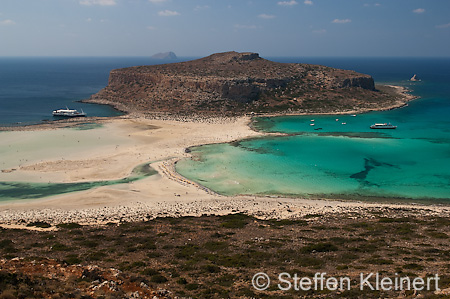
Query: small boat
[[311, 124], [68, 113], [344, 123], [353, 115], [383, 126]]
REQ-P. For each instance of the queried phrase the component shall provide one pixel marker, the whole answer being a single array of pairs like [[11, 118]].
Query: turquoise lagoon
[[340, 156]]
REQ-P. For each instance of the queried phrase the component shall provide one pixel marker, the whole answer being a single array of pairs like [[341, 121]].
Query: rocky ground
[[217, 256]]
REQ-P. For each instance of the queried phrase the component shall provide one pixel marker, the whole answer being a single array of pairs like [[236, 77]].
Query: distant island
[[235, 83], [165, 55]]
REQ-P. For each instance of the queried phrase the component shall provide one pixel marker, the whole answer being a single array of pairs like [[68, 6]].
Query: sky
[[194, 28]]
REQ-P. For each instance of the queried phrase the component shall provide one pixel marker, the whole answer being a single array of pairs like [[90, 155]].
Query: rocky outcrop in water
[[236, 83], [165, 55]]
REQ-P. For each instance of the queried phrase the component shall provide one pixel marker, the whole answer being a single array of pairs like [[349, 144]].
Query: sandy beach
[[110, 152]]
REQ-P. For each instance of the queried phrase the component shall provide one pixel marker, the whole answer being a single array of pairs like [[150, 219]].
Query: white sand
[[111, 152]]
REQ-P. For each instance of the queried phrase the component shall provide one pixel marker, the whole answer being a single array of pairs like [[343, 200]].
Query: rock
[[415, 78], [235, 83], [165, 55]]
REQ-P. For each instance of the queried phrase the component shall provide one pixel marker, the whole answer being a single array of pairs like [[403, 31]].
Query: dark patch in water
[[436, 141], [263, 124], [270, 148], [235, 143], [369, 164]]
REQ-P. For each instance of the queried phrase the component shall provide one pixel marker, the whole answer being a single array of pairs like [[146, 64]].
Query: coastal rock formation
[[234, 83], [165, 55], [415, 78]]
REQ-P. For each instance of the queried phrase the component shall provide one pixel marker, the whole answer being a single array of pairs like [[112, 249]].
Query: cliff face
[[235, 83]]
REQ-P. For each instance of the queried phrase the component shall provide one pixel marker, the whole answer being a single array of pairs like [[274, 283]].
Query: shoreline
[[167, 193], [399, 90], [404, 92]]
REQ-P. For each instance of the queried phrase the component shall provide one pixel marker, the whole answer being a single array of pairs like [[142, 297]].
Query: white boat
[[383, 126], [68, 113]]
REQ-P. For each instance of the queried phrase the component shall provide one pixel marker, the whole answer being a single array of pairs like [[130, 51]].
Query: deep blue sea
[[345, 158], [32, 87]]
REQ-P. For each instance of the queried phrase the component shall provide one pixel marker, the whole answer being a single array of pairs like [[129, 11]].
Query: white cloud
[[168, 13], [239, 26], [157, 1], [443, 26], [88, 20], [98, 2], [200, 7], [265, 16], [375, 4], [151, 28], [288, 3], [419, 10], [341, 21], [7, 22], [308, 2]]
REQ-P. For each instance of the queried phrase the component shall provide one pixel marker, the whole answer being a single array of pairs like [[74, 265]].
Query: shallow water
[[23, 190]]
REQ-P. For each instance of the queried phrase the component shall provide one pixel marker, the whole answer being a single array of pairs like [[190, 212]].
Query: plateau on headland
[[235, 83]]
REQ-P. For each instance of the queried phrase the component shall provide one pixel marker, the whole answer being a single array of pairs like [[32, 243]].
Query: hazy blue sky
[[202, 27]]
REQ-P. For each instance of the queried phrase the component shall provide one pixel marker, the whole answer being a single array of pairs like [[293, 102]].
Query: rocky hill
[[234, 83]]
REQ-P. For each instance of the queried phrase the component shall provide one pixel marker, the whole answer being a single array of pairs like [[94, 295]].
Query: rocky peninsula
[[234, 84]]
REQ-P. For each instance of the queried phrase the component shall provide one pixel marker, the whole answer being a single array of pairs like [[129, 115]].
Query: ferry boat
[[383, 126], [68, 113]]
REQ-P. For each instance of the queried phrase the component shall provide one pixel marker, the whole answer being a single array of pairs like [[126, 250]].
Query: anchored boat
[[68, 113], [383, 126]]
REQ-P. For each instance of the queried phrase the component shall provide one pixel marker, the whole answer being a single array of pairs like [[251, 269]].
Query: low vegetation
[[217, 256]]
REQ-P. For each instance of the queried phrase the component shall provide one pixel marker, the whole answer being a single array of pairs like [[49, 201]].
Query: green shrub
[[319, 247], [89, 243], [215, 246], [60, 247], [150, 272], [235, 220], [212, 268], [72, 259], [192, 286], [158, 278]]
